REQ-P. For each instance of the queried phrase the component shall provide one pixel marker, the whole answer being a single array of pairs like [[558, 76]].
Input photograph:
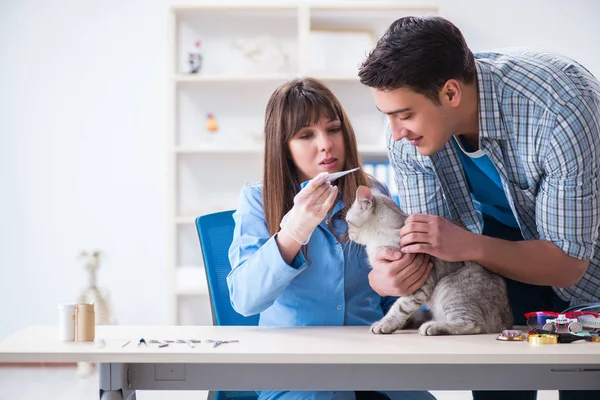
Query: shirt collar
[[490, 117]]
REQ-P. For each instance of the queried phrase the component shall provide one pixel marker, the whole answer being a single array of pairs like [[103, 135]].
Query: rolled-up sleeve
[[567, 204], [259, 274]]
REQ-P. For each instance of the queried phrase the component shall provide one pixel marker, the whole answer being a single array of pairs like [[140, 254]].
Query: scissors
[[217, 343]]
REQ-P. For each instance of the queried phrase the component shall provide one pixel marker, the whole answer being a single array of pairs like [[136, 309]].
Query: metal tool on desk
[[161, 343], [217, 343], [189, 342]]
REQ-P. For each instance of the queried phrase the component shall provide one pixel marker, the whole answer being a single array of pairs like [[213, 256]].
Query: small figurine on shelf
[[195, 59], [211, 127]]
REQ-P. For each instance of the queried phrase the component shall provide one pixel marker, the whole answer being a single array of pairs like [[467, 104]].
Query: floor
[[63, 383]]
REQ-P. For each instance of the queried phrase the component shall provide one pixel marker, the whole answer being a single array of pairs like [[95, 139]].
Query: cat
[[464, 298]]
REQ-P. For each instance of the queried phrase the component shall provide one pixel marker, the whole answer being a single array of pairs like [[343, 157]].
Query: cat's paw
[[429, 328], [433, 328], [384, 327]]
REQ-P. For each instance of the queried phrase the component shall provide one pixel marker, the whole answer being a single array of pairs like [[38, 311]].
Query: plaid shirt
[[539, 123]]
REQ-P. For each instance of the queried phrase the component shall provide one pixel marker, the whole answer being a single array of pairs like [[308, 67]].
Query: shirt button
[[339, 307]]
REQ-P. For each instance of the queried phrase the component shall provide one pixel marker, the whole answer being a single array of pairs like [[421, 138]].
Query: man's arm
[[567, 211], [538, 262]]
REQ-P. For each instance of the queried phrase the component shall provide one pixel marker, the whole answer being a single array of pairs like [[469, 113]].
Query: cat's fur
[[464, 297]]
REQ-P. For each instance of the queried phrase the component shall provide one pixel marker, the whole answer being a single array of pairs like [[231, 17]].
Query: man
[[508, 144]]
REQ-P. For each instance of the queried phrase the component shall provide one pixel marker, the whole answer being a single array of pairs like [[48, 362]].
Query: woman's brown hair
[[293, 106]]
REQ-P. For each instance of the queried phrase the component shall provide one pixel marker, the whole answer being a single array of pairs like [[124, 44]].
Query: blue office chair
[[215, 232]]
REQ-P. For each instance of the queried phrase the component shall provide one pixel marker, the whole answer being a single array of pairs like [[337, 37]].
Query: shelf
[[334, 78], [367, 150], [372, 150], [187, 219], [336, 6], [254, 150], [242, 7], [223, 78], [190, 281], [339, 8], [276, 78], [191, 219]]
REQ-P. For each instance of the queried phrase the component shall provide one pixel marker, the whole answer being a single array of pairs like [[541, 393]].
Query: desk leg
[[114, 384]]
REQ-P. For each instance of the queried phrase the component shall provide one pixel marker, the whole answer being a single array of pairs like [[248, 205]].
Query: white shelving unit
[[207, 175]]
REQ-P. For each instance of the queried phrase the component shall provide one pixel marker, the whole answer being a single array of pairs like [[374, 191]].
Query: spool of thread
[[66, 322], [85, 330], [537, 339]]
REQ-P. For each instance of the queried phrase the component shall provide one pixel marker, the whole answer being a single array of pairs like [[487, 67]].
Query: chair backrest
[[215, 232]]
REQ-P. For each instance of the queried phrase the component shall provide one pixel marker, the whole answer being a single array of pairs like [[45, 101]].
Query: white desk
[[316, 358]]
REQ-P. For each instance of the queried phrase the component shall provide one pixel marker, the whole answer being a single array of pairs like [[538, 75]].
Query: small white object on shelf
[[264, 54]]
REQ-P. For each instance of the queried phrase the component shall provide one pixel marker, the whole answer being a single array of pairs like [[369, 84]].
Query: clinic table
[[309, 358]]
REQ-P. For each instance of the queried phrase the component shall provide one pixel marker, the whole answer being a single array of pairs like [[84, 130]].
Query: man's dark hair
[[420, 54]]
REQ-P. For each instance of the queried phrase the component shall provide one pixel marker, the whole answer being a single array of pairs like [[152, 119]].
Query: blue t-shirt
[[485, 185]]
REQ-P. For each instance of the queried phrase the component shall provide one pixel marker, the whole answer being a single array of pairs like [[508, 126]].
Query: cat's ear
[[364, 197]]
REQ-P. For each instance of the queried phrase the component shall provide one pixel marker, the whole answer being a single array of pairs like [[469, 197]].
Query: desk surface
[[298, 345]]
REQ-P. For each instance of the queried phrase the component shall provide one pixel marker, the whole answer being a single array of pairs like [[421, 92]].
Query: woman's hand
[[310, 207]]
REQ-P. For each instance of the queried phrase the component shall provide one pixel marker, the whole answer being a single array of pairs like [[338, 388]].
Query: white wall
[[82, 142]]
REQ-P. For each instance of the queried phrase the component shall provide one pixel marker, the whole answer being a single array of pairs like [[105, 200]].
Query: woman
[[289, 262]]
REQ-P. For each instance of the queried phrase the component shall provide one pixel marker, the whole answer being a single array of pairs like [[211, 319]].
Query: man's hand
[[435, 236], [395, 274]]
